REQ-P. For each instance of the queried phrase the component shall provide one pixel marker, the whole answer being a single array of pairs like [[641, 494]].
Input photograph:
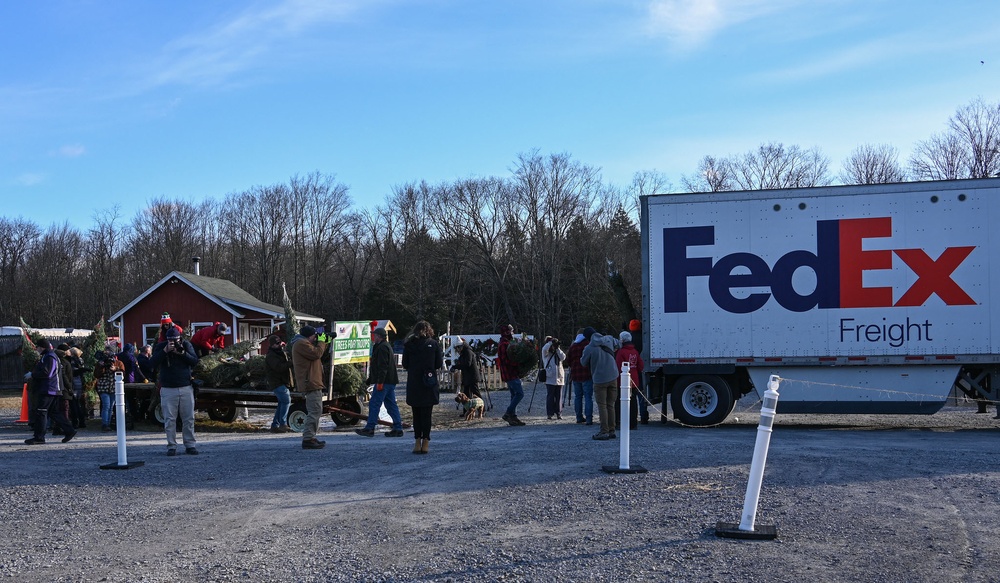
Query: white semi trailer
[[868, 299]]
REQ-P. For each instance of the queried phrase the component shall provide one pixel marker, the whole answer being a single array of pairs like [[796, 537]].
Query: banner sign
[[353, 342]]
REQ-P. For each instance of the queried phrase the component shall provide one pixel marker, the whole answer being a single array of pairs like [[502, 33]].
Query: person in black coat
[[422, 357], [467, 363]]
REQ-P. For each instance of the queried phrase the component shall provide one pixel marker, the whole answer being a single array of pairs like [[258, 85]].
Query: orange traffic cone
[[24, 405]]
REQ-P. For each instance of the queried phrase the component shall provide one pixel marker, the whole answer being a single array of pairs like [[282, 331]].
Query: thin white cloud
[[30, 179], [71, 151], [214, 55], [688, 24]]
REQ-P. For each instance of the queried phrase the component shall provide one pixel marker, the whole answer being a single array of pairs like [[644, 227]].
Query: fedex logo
[[839, 264]]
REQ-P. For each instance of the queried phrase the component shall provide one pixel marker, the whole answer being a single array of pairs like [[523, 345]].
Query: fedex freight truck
[[867, 299]]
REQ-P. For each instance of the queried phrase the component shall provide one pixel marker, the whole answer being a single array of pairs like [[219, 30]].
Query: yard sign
[[353, 342]]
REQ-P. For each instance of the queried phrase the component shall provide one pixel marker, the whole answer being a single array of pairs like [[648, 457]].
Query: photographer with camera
[[555, 376], [173, 359]]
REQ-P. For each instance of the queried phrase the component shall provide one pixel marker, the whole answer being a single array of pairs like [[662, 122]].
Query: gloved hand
[[324, 337], [379, 387]]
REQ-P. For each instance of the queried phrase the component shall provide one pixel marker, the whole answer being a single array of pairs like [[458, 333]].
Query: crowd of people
[[593, 361]]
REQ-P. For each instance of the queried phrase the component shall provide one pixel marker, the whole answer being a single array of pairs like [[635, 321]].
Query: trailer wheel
[[349, 404], [297, 417], [701, 400], [158, 413], [224, 414]]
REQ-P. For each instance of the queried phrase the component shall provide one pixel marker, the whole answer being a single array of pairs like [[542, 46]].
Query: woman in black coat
[[422, 357]]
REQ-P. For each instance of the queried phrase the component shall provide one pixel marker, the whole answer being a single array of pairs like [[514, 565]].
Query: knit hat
[[223, 329], [64, 347], [307, 331], [173, 333], [165, 319], [625, 337], [43, 344], [588, 332], [380, 332]]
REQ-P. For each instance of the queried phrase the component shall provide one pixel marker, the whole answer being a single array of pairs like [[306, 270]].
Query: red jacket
[[208, 338], [508, 371], [577, 372], [628, 353]]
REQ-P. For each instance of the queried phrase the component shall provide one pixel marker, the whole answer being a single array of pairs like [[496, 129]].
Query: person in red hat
[[166, 324]]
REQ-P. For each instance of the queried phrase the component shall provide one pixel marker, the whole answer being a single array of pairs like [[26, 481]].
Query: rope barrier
[[786, 388]]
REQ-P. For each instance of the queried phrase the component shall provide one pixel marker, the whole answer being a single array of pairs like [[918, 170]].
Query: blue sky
[[118, 102]]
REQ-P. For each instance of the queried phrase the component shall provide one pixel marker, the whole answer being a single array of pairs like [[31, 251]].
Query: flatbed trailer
[[223, 404]]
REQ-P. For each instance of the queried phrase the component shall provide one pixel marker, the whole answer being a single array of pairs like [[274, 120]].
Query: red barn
[[196, 301]]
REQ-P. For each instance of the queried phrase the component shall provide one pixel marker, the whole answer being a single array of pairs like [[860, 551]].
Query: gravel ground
[[859, 498]]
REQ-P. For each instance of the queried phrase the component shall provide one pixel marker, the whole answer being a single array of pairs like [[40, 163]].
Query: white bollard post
[[746, 526], [120, 427], [120, 417], [625, 382]]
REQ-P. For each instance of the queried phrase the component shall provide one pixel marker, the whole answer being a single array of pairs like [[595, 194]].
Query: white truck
[[865, 299]]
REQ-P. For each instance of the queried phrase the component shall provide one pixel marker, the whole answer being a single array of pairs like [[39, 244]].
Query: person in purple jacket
[[46, 382]]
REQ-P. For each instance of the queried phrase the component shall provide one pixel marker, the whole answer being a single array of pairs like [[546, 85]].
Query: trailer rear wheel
[[225, 414], [347, 404], [701, 400], [297, 417]]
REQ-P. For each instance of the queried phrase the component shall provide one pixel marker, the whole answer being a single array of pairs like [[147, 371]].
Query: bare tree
[[255, 222], [52, 275], [106, 273], [473, 214], [873, 164], [773, 166], [166, 235], [643, 183], [549, 192], [319, 206], [941, 157], [969, 148], [18, 238], [714, 175]]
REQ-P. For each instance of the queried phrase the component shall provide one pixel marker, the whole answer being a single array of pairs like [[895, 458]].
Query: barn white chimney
[[196, 261]]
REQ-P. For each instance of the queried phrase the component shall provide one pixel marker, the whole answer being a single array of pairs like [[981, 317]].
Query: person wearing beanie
[[509, 375], [173, 359], [637, 403], [78, 406], [46, 384], [307, 351], [133, 374], [278, 374], [579, 376], [65, 385], [105, 367], [382, 374], [166, 323], [599, 356], [555, 376], [210, 339]]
